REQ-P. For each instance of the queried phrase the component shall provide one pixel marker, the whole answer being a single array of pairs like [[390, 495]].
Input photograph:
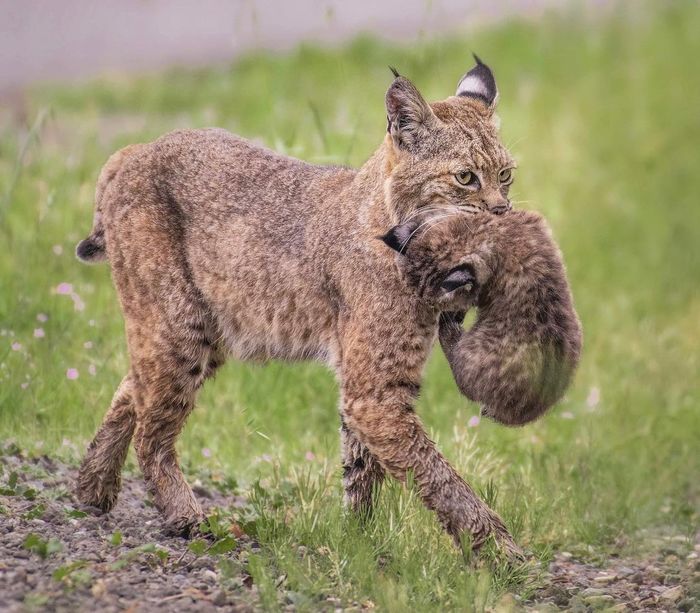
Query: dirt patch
[[666, 580], [56, 555]]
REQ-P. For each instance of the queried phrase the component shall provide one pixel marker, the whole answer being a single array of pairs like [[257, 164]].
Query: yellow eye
[[505, 176], [465, 178]]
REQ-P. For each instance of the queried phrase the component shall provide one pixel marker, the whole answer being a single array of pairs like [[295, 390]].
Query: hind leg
[[169, 368], [99, 477]]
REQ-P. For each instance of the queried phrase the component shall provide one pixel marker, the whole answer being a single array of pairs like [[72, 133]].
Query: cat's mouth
[[470, 208]]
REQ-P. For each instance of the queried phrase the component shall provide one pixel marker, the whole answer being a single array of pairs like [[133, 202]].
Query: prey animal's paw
[[450, 330]]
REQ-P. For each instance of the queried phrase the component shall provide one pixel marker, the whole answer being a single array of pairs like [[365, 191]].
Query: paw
[[450, 329], [185, 526], [93, 492], [510, 549]]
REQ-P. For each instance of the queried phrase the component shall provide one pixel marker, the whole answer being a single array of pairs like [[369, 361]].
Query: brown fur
[[519, 356], [220, 248]]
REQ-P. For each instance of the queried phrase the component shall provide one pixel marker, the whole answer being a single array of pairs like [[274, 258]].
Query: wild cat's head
[[448, 154], [519, 356]]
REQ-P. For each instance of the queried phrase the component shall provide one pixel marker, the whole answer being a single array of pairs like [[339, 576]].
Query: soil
[[56, 555]]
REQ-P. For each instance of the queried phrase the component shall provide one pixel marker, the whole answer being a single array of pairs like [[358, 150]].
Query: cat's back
[[212, 168]]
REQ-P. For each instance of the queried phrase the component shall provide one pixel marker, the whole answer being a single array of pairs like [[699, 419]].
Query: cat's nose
[[495, 203], [498, 209]]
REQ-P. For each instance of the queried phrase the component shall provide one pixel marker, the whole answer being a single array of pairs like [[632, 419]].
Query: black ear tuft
[[394, 72], [479, 83], [400, 236]]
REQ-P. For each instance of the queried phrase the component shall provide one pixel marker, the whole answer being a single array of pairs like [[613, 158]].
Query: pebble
[[601, 601], [592, 591], [605, 579], [672, 595], [637, 578], [219, 598]]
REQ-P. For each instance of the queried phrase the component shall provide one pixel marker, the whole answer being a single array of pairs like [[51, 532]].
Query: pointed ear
[[409, 116], [479, 83], [459, 277], [400, 236]]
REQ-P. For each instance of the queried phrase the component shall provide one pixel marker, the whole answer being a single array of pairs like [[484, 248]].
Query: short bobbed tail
[[91, 250]]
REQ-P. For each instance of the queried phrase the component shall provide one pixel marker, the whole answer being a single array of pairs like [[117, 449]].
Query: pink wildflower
[[87, 344], [16, 346], [42, 317], [206, 452], [72, 374], [65, 289], [39, 333], [593, 398], [78, 304], [92, 370], [474, 421], [310, 456]]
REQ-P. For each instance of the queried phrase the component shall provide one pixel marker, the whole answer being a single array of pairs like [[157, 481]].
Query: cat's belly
[[267, 293], [261, 334], [263, 317]]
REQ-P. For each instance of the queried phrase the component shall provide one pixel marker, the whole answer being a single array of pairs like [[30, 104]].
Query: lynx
[[223, 249]]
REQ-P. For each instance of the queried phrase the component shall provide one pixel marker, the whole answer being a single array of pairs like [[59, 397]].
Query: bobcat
[[220, 248]]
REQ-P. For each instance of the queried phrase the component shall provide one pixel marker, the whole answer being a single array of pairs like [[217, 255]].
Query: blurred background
[[59, 41], [600, 106]]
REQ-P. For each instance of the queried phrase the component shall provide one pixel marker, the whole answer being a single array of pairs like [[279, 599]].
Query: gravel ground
[[57, 556], [119, 561]]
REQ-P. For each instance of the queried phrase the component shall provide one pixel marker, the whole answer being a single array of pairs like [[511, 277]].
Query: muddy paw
[[185, 526], [97, 495]]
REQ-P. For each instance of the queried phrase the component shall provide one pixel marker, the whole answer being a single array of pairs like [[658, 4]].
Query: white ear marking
[[479, 83], [471, 84]]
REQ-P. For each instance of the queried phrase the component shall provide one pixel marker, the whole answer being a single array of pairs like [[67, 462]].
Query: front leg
[[362, 473], [379, 388]]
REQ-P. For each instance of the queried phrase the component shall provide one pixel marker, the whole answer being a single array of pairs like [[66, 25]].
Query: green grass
[[603, 118]]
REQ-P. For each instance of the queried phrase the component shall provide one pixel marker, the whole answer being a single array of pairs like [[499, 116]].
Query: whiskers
[[446, 213]]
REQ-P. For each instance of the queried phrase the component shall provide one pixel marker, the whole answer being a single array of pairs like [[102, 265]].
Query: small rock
[[98, 589], [637, 578], [605, 579], [219, 598], [602, 601], [592, 591], [203, 562], [566, 555], [673, 594], [656, 574]]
